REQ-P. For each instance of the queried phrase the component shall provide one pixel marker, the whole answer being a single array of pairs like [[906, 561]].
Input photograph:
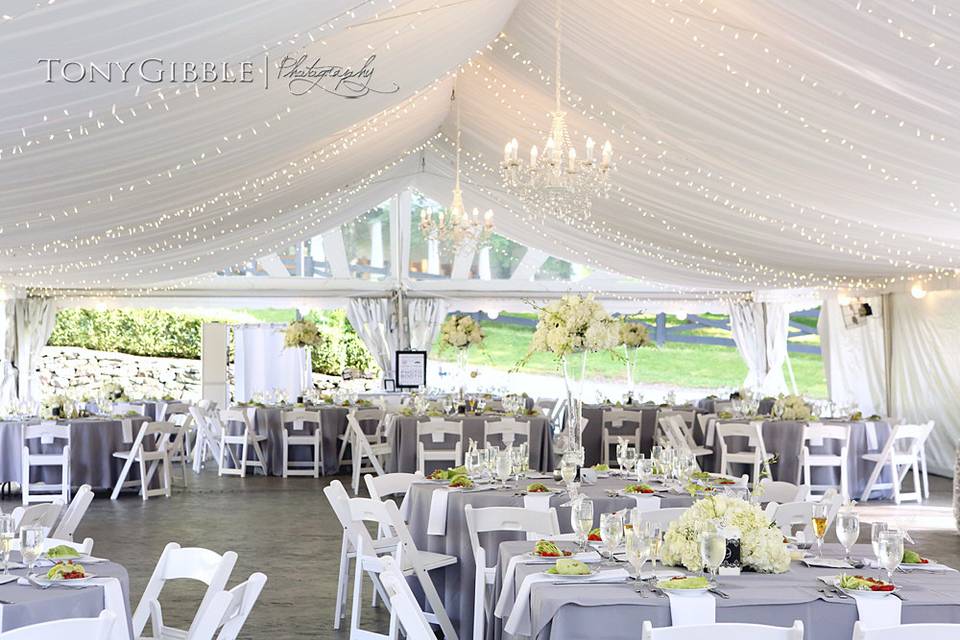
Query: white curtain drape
[[375, 321], [854, 359], [925, 369], [424, 317], [34, 324], [261, 363], [759, 330], [8, 342]]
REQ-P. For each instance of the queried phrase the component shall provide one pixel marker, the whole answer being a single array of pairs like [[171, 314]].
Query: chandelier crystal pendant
[[555, 181], [453, 226]]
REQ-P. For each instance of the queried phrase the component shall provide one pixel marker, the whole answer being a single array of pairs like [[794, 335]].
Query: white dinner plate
[[866, 593], [563, 576], [77, 582], [682, 592]]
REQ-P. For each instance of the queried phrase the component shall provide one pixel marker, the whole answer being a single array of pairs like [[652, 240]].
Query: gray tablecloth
[[783, 439], [593, 432], [92, 442], [562, 613], [403, 441], [31, 605], [455, 583], [268, 421]]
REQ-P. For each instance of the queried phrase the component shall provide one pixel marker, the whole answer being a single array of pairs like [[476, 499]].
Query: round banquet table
[[783, 438], [92, 444], [455, 583], [32, 605], [402, 436], [561, 613]]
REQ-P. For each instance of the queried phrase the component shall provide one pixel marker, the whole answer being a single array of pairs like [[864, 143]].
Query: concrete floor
[[286, 529]]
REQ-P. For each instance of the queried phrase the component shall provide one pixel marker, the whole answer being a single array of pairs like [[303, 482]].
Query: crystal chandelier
[[453, 226], [556, 181]]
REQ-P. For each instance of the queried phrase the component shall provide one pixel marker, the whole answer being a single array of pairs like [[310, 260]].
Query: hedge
[[152, 332]]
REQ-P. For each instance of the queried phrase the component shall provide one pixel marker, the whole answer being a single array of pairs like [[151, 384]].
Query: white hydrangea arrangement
[[633, 334], [300, 334], [574, 324], [460, 332], [761, 543], [113, 391], [791, 408], [53, 406]]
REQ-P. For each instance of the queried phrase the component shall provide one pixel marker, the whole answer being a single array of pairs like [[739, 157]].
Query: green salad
[[66, 571], [62, 551], [569, 567], [681, 582]]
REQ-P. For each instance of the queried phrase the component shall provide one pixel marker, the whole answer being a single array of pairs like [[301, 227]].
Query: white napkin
[[8, 578], [405, 507], [830, 563], [878, 613], [437, 525], [518, 623], [647, 502], [113, 601], [686, 611], [931, 567], [871, 430], [537, 501], [506, 589], [127, 428]]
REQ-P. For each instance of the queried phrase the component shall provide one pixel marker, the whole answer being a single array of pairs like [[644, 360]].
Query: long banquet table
[[93, 442], [455, 583], [402, 437], [562, 613]]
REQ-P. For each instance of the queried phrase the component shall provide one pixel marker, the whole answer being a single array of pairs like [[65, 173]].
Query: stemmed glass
[[31, 544], [848, 530], [713, 549], [620, 464], [474, 463], [629, 459], [638, 550], [890, 545], [8, 533], [581, 516], [568, 470], [652, 531], [875, 530], [504, 465], [819, 521], [611, 532]]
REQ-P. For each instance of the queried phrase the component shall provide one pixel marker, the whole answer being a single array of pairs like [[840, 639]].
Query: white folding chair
[[179, 451], [172, 408], [676, 434], [541, 523], [390, 484], [242, 598], [163, 437], [43, 515], [903, 449], [207, 405], [98, 628], [374, 437], [662, 517], [365, 447], [295, 435], [403, 604], [248, 439], [45, 433], [923, 631], [129, 409], [756, 454], [353, 513], [814, 435], [207, 443], [508, 430], [437, 431], [74, 513], [778, 491], [619, 419], [227, 611], [724, 631], [176, 562], [723, 406], [708, 426], [789, 515]]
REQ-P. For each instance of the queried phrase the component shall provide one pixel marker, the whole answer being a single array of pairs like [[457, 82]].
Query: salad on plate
[[570, 567], [912, 557], [64, 571], [685, 585], [638, 488], [862, 585], [537, 487], [548, 549], [62, 552], [461, 482]]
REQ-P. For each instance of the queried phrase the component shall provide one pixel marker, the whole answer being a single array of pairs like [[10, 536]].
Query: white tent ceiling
[[758, 144]]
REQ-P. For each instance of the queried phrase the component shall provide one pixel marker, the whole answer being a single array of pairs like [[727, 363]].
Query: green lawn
[[688, 365]]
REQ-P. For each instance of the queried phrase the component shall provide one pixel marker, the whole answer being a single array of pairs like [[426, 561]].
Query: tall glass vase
[[574, 389], [629, 355], [462, 357], [306, 374]]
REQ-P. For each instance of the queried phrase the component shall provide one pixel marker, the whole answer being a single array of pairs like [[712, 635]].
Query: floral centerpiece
[[633, 335], [791, 408], [54, 406], [113, 391], [460, 332], [301, 334], [761, 543]]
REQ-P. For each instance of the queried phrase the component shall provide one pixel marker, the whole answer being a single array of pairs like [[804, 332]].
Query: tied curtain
[[263, 364], [375, 321], [854, 358], [424, 318], [8, 341], [34, 322], [760, 332]]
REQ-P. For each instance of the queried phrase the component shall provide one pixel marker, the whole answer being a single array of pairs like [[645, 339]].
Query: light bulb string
[[556, 81]]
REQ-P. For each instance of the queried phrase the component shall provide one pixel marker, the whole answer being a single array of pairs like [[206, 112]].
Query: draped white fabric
[[34, 322], [375, 321], [424, 317], [854, 359], [773, 144], [925, 369], [261, 363], [759, 330], [8, 342]]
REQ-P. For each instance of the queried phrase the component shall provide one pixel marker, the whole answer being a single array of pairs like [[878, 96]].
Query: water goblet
[[8, 533], [713, 549], [611, 532], [581, 516], [31, 544], [890, 545], [848, 530], [638, 551], [875, 530]]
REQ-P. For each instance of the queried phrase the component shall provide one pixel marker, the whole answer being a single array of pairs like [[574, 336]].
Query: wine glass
[[611, 532], [890, 545], [875, 530], [8, 533], [653, 532], [629, 458], [504, 466], [473, 462], [581, 516], [31, 544], [819, 521], [713, 549], [638, 550], [848, 530], [620, 466], [568, 468]]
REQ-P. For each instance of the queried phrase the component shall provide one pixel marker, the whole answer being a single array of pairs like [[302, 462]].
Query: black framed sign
[[389, 385], [411, 368]]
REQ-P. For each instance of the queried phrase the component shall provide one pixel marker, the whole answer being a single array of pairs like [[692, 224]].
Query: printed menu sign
[[411, 369]]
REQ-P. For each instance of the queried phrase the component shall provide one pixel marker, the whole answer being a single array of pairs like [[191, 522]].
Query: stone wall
[[82, 372]]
